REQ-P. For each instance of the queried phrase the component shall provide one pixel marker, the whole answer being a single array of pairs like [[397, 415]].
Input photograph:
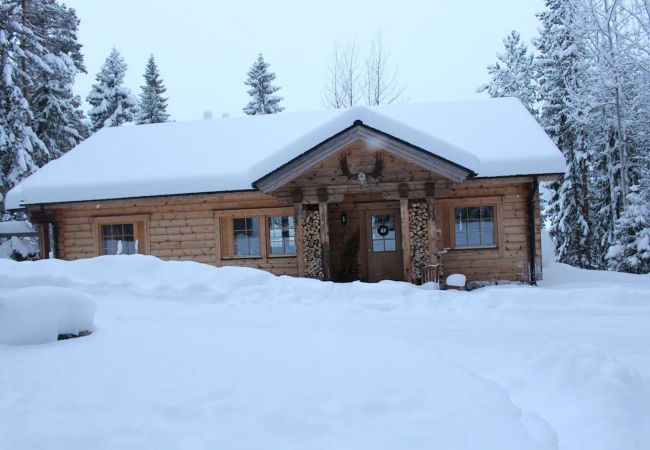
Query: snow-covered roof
[[16, 227], [491, 137]]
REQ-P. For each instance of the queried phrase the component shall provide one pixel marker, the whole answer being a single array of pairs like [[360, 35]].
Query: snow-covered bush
[[19, 249], [37, 315]]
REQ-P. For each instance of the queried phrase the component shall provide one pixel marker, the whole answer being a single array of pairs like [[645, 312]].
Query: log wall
[[188, 227], [179, 227], [510, 259]]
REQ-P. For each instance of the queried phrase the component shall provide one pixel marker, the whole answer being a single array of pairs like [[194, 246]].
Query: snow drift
[[188, 355]]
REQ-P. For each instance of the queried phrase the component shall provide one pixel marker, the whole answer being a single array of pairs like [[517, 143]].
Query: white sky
[[204, 48]]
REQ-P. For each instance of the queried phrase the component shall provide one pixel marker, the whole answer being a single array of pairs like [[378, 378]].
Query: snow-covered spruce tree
[[20, 148], [153, 106], [59, 121], [562, 67], [513, 75], [620, 125], [113, 104], [262, 90], [631, 251]]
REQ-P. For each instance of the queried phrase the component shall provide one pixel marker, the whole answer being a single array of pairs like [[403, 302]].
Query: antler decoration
[[343, 162], [376, 171], [379, 167]]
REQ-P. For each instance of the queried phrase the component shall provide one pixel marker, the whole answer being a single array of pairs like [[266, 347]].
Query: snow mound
[[456, 280], [593, 388], [40, 314], [129, 271]]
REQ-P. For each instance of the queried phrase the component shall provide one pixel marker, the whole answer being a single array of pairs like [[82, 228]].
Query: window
[[121, 235], [256, 233], [118, 239], [282, 235], [383, 233], [247, 236], [474, 226]]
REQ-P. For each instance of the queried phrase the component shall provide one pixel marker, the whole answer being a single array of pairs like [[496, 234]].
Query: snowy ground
[[186, 356]]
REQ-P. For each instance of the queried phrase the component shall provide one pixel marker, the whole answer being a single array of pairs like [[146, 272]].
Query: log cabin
[[368, 193]]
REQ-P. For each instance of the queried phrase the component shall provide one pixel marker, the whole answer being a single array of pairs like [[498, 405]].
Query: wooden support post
[[432, 226], [300, 237], [406, 237], [432, 223], [44, 240], [324, 239]]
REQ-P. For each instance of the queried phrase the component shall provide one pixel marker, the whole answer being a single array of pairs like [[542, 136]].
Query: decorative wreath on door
[[382, 230]]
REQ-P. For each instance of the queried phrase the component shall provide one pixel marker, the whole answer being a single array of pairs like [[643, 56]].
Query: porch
[[364, 236]]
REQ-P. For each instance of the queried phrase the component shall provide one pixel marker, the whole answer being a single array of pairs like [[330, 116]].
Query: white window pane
[[254, 246], [474, 239], [487, 238], [128, 247], [473, 226]]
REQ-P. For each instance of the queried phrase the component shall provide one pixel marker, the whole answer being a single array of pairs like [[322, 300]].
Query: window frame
[[259, 238], [480, 222], [395, 240], [140, 231], [494, 202], [270, 254], [224, 220]]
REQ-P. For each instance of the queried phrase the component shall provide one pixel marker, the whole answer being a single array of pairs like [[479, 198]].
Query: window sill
[[477, 247], [283, 256], [242, 257]]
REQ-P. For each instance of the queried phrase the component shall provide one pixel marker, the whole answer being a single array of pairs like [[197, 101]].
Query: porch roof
[[491, 138]]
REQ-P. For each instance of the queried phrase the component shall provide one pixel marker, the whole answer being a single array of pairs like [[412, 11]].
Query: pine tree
[[153, 106], [262, 90], [21, 150], [58, 119], [113, 104], [513, 75], [562, 69]]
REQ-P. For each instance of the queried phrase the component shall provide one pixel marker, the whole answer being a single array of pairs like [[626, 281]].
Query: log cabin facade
[[361, 203]]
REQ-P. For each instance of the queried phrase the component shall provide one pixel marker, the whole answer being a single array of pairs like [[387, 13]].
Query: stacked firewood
[[312, 256], [419, 236]]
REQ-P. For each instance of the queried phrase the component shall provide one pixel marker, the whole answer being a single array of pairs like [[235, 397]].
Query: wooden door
[[384, 245]]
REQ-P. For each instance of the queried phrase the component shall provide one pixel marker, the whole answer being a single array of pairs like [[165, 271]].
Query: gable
[[323, 161], [360, 157]]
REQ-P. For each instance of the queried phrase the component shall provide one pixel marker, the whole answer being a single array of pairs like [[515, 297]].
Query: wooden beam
[[403, 189], [324, 239], [300, 238], [296, 195], [406, 238], [321, 194], [430, 189]]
